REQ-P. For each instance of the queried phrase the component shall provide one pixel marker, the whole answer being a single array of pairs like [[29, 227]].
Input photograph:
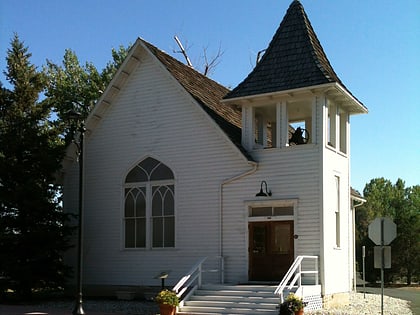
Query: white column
[[312, 128], [283, 125], [247, 127], [278, 143]]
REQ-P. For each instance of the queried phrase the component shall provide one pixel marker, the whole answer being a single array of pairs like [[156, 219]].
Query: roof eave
[[333, 90], [107, 98], [277, 95], [345, 98]]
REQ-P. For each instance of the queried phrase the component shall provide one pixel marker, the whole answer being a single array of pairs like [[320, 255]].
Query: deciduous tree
[[402, 205], [75, 87]]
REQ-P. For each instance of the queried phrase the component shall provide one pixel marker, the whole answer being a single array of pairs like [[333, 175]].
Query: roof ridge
[[208, 94], [319, 52], [186, 67]]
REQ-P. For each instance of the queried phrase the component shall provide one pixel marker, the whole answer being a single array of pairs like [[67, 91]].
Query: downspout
[[354, 206], [225, 182]]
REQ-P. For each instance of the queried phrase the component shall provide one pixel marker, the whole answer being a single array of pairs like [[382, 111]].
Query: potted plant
[[292, 305], [168, 301]]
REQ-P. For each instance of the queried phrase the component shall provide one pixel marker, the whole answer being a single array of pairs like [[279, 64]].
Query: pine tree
[[33, 234]]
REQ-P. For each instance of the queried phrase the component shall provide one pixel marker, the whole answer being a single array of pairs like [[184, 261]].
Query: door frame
[[270, 203]]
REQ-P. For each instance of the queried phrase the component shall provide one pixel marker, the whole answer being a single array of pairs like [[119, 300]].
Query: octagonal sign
[[385, 226]]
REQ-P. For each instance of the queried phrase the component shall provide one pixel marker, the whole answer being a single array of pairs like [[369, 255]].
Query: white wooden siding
[[290, 173], [337, 261], [153, 116]]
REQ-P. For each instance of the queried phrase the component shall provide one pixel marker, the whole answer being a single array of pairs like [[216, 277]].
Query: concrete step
[[232, 300]]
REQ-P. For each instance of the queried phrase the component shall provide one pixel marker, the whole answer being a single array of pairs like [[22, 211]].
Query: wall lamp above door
[[263, 193]]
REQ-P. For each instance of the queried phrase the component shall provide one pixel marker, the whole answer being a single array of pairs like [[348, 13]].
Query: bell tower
[[279, 95], [296, 124]]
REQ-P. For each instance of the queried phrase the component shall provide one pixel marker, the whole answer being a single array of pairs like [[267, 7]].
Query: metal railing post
[[199, 275], [300, 274], [222, 270]]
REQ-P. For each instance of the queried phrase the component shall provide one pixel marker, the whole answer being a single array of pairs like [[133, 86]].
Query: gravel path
[[371, 305]]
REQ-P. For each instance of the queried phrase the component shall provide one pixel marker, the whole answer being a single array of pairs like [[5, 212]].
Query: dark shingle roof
[[293, 59], [207, 93]]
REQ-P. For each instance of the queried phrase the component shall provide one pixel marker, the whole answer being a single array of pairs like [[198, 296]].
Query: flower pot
[[300, 312], [166, 309]]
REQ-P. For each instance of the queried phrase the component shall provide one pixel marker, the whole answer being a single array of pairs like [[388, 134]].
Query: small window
[[331, 125], [261, 212], [337, 125], [283, 211], [343, 118], [281, 240], [271, 211], [337, 212]]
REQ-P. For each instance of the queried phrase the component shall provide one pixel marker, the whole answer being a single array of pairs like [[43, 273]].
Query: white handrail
[[296, 271], [194, 278], [191, 276]]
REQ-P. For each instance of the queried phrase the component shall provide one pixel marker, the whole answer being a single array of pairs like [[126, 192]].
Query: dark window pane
[[169, 232], [157, 204], [283, 210], [261, 212], [148, 165], [141, 233], [281, 239], [141, 203], [259, 240], [162, 172], [129, 233], [136, 175], [169, 203], [157, 232], [129, 205]]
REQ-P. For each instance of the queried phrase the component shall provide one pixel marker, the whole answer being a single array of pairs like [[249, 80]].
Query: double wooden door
[[271, 250]]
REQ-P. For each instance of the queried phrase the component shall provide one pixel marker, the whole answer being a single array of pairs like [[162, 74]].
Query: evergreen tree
[[402, 205], [33, 234]]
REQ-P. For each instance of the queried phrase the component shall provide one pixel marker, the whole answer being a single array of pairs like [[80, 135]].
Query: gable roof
[[293, 59], [207, 93]]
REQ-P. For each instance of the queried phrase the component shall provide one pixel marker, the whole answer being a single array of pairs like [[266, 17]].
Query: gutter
[[221, 211], [354, 206]]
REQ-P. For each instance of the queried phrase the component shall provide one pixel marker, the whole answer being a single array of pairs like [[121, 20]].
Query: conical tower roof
[[293, 59]]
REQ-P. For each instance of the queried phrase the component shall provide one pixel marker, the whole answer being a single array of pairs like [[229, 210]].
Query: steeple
[[293, 59]]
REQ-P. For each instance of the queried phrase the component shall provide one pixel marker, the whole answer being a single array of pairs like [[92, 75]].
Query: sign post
[[364, 278], [382, 231]]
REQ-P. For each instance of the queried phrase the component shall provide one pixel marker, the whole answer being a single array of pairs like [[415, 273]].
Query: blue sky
[[374, 46]]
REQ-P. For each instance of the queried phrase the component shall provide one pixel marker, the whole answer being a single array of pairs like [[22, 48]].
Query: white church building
[[182, 175]]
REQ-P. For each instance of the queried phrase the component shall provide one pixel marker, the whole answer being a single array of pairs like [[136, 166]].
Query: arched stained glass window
[[149, 207]]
